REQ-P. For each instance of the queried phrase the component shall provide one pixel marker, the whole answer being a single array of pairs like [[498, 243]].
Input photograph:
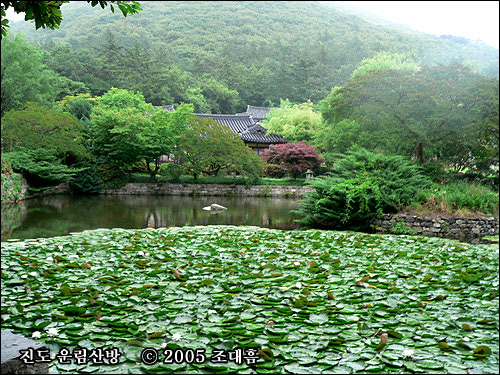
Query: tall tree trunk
[[419, 152]]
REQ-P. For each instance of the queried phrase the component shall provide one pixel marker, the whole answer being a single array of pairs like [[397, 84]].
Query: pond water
[[59, 215]]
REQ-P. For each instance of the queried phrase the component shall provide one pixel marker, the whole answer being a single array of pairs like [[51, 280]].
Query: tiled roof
[[237, 123], [245, 126], [257, 113]]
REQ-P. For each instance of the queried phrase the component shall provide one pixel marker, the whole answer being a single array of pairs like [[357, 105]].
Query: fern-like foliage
[[360, 186]]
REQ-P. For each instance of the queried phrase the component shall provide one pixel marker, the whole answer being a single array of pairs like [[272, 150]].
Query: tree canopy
[[214, 56], [414, 113], [208, 147], [26, 78], [296, 122], [35, 127]]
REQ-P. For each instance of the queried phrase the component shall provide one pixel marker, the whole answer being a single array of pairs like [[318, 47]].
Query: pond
[[59, 215]]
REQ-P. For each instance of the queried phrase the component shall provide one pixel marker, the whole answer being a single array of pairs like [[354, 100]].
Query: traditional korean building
[[250, 131], [257, 113]]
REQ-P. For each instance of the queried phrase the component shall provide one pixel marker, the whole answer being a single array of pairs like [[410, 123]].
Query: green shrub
[[400, 227], [87, 181], [490, 181], [434, 170], [41, 167], [360, 186], [172, 171]]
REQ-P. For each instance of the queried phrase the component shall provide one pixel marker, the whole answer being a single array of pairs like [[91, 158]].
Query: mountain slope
[[297, 50]]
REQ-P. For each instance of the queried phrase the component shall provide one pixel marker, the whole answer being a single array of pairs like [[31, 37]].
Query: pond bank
[[468, 229], [277, 191], [14, 188]]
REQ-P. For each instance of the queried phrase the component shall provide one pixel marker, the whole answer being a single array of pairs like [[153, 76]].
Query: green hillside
[[253, 52]]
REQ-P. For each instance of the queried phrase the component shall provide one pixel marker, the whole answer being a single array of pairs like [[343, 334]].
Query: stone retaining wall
[[460, 228], [14, 188], [210, 190]]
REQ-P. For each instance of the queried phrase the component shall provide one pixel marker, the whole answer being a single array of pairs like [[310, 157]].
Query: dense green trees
[[296, 122], [43, 144], [431, 113], [35, 127], [125, 130], [172, 50], [26, 78], [208, 147]]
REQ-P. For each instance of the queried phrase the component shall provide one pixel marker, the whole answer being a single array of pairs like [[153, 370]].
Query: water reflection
[[59, 215]]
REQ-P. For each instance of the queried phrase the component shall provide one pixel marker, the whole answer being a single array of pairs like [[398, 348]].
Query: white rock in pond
[[214, 207]]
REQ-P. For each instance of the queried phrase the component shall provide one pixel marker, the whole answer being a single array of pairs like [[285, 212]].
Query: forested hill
[[262, 50]]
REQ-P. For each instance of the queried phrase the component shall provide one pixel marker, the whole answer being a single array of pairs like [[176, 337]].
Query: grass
[[460, 198], [307, 301]]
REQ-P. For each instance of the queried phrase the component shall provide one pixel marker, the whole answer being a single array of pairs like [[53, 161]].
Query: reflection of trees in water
[[12, 217], [59, 215], [165, 211]]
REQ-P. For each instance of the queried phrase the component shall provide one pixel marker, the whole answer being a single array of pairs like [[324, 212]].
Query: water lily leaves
[[74, 310], [383, 341], [467, 327], [317, 319], [482, 351], [291, 296], [394, 334]]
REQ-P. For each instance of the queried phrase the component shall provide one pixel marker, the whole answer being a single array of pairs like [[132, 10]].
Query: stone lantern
[[309, 174]]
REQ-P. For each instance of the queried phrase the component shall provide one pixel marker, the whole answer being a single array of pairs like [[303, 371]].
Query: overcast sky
[[469, 19]]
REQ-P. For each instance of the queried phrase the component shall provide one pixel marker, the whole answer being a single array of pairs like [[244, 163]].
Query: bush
[[87, 181], [434, 170], [360, 186], [490, 181], [172, 171], [400, 227], [273, 170], [293, 158], [41, 167]]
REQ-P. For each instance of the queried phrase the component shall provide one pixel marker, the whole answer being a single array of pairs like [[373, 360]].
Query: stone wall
[[14, 188], [63, 188], [210, 190], [470, 229]]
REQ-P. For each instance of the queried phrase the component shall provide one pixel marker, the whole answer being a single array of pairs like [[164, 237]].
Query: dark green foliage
[[360, 186], [172, 171], [87, 181], [26, 78], [490, 181], [434, 170], [35, 127], [296, 50], [41, 167]]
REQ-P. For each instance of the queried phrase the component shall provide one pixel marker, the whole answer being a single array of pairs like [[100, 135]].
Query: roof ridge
[[225, 115]]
